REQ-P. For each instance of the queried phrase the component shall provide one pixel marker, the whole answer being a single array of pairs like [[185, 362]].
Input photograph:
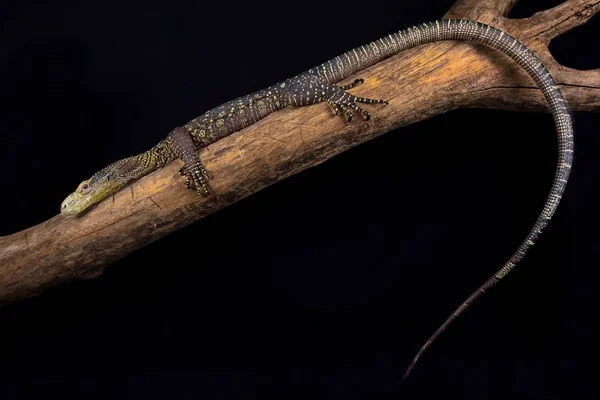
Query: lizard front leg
[[184, 148]]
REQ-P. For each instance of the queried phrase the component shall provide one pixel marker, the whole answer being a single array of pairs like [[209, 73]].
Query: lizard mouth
[[67, 207], [72, 205]]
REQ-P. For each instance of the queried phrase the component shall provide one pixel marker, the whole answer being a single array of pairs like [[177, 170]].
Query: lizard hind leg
[[184, 148], [309, 89]]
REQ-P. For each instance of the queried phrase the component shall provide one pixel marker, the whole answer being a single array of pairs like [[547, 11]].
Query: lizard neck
[[157, 157], [133, 168]]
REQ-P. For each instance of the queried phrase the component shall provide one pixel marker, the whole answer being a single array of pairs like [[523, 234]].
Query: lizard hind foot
[[356, 99], [346, 102]]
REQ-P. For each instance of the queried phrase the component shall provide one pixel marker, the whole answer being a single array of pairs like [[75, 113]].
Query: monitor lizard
[[318, 85]]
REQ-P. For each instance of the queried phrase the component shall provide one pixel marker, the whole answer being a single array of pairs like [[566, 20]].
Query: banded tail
[[362, 57]]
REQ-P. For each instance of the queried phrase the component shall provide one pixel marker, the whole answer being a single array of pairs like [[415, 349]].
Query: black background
[[312, 287]]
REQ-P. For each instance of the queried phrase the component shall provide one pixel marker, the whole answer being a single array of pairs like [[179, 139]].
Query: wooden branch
[[548, 24], [472, 9], [420, 83]]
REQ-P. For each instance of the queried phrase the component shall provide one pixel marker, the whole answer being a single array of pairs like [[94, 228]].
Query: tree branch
[[420, 83], [474, 9], [550, 23]]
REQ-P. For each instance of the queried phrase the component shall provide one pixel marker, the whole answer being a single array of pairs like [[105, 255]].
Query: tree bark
[[420, 83]]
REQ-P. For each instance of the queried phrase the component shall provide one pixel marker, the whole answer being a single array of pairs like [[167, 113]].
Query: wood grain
[[420, 83]]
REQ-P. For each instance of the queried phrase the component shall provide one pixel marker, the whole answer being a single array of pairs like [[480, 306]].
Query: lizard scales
[[318, 85]]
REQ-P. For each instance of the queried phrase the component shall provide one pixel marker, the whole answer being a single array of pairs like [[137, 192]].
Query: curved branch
[[420, 83], [548, 24], [475, 9]]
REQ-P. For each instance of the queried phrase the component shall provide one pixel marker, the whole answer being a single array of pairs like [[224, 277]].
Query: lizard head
[[102, 184], [115, 177]]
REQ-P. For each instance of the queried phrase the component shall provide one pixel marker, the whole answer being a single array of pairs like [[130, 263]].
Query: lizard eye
[[85, 187]]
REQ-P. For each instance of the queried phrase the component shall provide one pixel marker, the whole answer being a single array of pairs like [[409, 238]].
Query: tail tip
[[407, 373]]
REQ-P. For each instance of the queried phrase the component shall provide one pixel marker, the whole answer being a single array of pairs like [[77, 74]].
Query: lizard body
[[318, 85]]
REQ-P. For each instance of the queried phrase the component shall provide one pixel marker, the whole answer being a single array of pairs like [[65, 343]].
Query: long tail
[[361, 57]]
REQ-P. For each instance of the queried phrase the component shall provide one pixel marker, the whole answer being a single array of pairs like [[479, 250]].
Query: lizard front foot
[[340, 100], [183, 146], [197, 177]]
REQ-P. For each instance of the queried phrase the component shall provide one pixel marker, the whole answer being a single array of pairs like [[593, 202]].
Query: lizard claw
[[205, 172], [197, 177], [348, 103]]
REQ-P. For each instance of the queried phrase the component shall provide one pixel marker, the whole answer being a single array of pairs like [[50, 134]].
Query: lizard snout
[[66, 207]]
